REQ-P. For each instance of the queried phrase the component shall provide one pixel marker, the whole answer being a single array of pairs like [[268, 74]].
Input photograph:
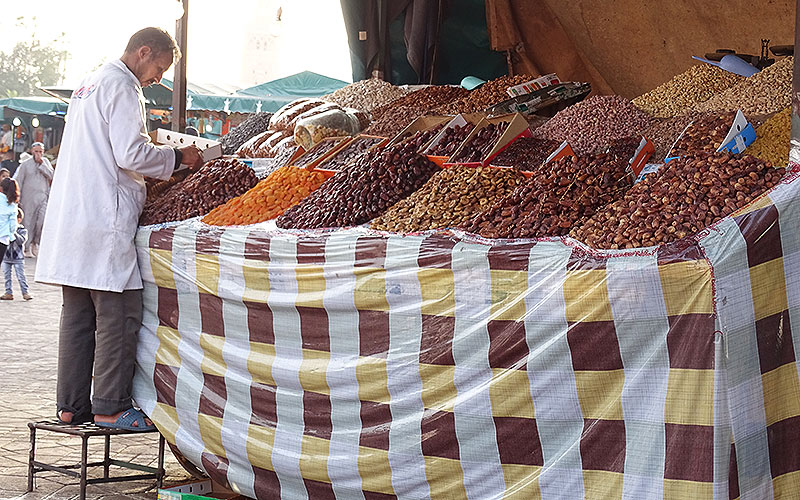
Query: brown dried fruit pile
[[526, 153], [705, 134], [351, 152], [487, 95], [685, 196], [450, 198], [451, 140], [550, 203], [480, 144], [371, 185], [212, 185]]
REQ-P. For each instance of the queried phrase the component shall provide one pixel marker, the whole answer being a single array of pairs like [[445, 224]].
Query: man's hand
[[192, 157]]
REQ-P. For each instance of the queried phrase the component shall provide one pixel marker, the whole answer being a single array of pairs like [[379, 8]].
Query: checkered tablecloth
[[351, 364]]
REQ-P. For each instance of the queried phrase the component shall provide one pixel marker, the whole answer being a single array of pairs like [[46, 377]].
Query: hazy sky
[[311, 31]]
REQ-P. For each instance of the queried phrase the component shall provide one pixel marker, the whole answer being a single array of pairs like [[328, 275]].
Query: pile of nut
[[390, 121], [371, 185], [487, 95], [663, 132], [768, 91], [450, 198], [350, 153], [592, 124], [526, 153], [365, 94], [683, 197], [214, 184], [697, 84], [552, 201], [451, 139], [431, 97], [252, 126], [705, 134], [319, 150], [481, 144], [772, 143]]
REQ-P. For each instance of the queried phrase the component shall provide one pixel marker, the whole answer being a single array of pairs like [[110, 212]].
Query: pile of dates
[[706, 133], [371, 185], [685, 196], [212, 185], [526, 153], [551, 202], [350, 153], [451, 139], [319, 150], [481, 143]]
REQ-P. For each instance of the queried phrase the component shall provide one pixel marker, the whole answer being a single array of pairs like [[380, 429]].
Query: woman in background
[[9, 196]]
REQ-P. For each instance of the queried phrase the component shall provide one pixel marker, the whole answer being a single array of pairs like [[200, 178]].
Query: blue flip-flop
[[126, 421]]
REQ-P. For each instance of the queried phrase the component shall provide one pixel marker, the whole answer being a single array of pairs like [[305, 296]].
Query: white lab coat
[[98, 190]]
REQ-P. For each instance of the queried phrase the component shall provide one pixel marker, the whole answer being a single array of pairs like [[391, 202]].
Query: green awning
[[229, 103], [284, 90], [35, 105]]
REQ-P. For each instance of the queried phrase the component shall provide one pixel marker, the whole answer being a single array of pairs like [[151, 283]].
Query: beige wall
[[638, 44]]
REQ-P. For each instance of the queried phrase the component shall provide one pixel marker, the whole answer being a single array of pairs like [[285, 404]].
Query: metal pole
[[794, 152], [179, 82]]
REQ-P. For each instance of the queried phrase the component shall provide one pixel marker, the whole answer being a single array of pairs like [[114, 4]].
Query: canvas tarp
[[34, 105], [355, 364], [285, 90], [634, 46]]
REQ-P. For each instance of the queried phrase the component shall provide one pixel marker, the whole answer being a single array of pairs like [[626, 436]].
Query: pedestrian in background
[[9, 195], [34, 177], [15, 260]]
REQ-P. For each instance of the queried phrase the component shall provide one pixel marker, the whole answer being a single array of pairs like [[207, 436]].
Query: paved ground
[[28, 346]]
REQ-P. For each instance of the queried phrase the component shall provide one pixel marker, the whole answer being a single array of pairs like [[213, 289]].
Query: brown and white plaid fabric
[[352, 364]]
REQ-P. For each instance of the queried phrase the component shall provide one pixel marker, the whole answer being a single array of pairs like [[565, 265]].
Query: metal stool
[[85, 431]]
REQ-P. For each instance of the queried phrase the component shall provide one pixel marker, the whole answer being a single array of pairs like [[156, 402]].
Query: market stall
[[482, 294], [438, 365]]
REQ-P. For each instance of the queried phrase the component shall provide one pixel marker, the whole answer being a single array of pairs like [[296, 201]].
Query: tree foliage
[[31, 64]]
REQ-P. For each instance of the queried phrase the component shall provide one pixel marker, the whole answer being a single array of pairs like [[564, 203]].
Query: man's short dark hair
[[157, 39]]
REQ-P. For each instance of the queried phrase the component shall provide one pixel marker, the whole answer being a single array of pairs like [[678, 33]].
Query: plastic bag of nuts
[[285, 117], [334, 122], [685, 196]]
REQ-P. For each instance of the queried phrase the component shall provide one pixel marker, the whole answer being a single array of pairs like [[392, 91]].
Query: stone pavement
[[28, 347]]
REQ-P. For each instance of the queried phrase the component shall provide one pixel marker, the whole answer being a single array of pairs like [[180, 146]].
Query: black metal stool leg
[[84, 466], [160, 479], [31, 459], [107, 457]]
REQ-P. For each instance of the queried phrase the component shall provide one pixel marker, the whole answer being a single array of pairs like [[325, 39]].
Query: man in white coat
[[87, 245], [34, 177]]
